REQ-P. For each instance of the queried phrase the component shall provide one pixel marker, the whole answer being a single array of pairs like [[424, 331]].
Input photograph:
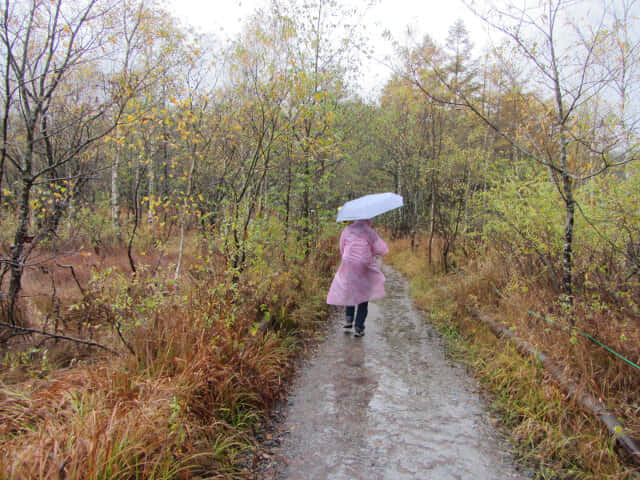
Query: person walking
[[359, 279]]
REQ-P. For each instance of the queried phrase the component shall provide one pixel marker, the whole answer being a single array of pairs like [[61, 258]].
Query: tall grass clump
[[551, 433], [201, 359]]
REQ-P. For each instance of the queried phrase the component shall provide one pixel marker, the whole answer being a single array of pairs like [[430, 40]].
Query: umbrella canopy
[[369, 206]]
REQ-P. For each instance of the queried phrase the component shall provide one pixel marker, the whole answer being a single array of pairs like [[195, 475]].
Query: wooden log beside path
[[568, 385]]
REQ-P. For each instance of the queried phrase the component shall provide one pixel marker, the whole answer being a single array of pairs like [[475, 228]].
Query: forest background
[[168, 205]]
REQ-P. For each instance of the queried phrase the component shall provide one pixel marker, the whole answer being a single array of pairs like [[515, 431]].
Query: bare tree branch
[[58, 336]]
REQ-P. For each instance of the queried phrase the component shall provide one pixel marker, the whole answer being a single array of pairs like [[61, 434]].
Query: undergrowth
[[550, 431], [201, 361]]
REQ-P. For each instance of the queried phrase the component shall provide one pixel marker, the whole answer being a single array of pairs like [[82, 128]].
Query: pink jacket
[[359, 278]]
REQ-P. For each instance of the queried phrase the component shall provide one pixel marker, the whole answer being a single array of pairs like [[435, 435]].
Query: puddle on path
[[389, 405]]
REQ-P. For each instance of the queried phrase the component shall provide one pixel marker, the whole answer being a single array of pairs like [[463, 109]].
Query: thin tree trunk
[[2, 157], [138, 178], [17, 260], [5, 122], [398, 189], [306, 204], [70, 205], [287, 203], [432, 221], [152, 187], [566, 187], [115, 194], [287, 210], [184, 214], [136, 212], [180, 250], [567, 252], [467, 199]]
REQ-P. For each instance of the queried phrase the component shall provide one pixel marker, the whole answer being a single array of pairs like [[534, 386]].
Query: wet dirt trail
[[390, 405]]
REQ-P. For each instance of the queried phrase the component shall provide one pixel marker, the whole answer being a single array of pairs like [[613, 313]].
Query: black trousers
[[360, 316]]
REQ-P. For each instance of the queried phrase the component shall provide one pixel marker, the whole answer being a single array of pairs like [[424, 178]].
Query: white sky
[[226, 17], [428, 16]]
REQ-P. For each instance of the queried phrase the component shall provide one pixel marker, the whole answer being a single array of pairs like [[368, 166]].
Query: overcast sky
[[226, 17]]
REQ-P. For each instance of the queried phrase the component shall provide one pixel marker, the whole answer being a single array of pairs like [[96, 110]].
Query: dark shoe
[[359, 332], [348, 326]]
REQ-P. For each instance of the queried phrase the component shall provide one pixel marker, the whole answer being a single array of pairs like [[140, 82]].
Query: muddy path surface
[[390, 405]]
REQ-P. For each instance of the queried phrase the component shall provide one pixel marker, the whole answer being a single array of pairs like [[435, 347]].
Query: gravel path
[[390, 405]]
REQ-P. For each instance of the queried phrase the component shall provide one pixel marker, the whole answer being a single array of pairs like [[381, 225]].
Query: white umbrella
[[369, 206]]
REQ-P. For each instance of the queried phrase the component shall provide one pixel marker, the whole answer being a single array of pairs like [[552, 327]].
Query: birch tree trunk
[[151, 172], [115, 193], [567, 251]]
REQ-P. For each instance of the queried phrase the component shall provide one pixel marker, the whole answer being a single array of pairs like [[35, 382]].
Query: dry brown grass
[[185, 404], [562, 440]]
